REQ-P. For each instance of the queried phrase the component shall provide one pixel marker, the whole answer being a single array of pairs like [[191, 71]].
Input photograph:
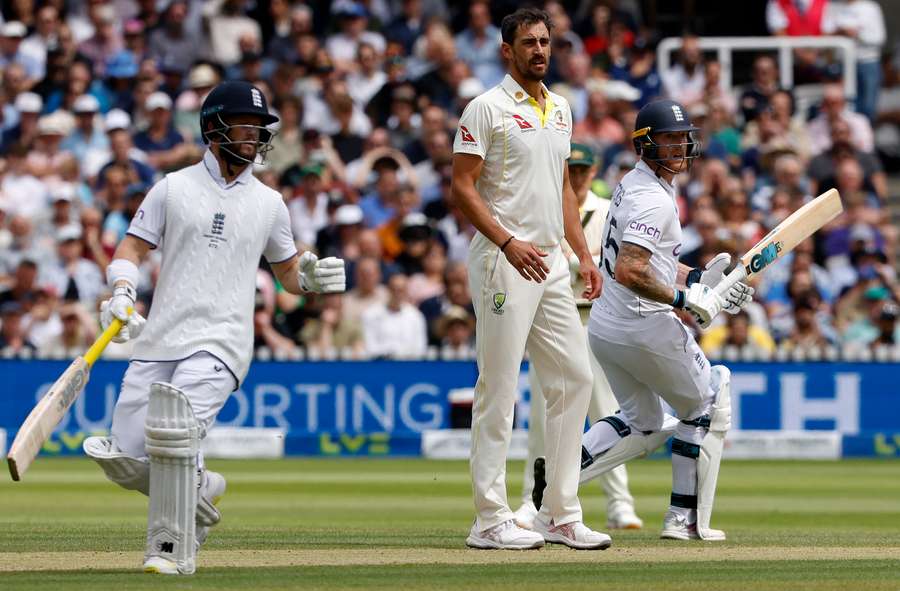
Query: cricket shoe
[[574, 535], [622, 516], [160, 566], [676, 527], [506, 536], [212, 489], [525, 515]]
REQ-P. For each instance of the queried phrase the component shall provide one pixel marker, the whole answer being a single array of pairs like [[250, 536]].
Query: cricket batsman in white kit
[[645, 350], [592, 210], [213, 221], [511, 180]]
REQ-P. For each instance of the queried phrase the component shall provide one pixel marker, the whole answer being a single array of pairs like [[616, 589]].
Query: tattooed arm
[[634, 272]]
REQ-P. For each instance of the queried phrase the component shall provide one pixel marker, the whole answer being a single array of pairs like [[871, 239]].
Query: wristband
[[122, 270], [508, 240], [678, 302], [693, 276]]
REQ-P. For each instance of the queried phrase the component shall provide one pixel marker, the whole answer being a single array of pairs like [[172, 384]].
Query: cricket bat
[[51, 409], [784, 237]]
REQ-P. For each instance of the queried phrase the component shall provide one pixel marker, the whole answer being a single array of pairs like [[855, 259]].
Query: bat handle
[[738, 274], [103, 340]]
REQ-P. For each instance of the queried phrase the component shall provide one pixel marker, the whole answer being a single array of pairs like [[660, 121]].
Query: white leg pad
[[634, 445], [173, 442], [711, 452], [126, 471]]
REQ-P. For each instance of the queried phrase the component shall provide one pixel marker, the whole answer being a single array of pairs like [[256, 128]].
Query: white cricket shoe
[[622, 516], [676, 527], [574, 535], [525, 515], [161, 566], [506, 536], [212, 489]]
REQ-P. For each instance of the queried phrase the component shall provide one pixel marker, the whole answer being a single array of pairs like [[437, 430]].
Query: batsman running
[[212, 222], [646, 352]]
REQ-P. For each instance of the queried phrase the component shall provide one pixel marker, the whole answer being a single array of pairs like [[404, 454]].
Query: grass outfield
[[389, 524]]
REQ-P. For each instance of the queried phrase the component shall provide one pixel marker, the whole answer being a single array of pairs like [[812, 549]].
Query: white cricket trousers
[[512, 314], [650, 358], [603, 404], [204, 379]]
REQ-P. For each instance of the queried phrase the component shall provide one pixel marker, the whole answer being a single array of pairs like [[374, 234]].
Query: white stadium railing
[[725, 47]]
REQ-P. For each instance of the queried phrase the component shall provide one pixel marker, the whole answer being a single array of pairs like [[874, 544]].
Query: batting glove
[[118, 307], [740, 294], [703, 303], [322, 276]]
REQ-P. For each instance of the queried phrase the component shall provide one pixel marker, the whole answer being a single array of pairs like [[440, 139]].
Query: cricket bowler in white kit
[[592, 210], [645, 350], [213, 221], [511, 180]]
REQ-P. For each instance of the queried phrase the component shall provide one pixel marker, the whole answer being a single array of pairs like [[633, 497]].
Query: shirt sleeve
[[645, 222], [474, 133], [280, 246], [149, 223]]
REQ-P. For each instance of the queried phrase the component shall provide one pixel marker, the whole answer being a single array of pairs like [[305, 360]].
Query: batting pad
[[126, 471], [711, 452], [173, 442]]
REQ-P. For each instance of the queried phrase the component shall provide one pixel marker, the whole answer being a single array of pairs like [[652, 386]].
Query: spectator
[[283, 47], [685, 82], [353, 19], [479, 45], [121, 70], [822, 168], [395, 329], [429, 283], [28, 106], [415, 235], [45, 159], [367, 80], [834, 107], [737, 331], [105, 41], [800, 17], [72, 276], [369, 292], [11, 35], [863, 21], [165, 147], [333, 331], [341, 237], [12, 331], [639, 72], [599, 129], [806, 333], [764, 84], [407, 26], [62, 214], [377, 205], [172, 42], [456, 293], [287, 146], [456, 331], [86, 135], [124, 154], [23, 288], [77, 332], [308, 206], [888, 330], [47, 25], [229, 28], [25, 194]]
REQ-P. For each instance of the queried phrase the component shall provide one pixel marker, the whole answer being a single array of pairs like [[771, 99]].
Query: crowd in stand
[[101, 98]]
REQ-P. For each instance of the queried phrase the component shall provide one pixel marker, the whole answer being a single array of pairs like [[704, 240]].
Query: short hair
[[510, 24]]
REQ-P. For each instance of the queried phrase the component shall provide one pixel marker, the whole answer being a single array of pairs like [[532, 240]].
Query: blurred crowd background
[[101, 98]]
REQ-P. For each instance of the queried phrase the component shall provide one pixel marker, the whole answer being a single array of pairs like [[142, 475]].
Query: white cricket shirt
[[642, 211], [525, 152], [212, 236]]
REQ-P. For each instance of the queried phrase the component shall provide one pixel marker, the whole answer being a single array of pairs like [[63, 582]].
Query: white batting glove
[[322, 276], [703, 303], [117, 307], [740, 294]]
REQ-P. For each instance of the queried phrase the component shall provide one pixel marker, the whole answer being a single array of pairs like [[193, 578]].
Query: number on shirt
[[610, 244]]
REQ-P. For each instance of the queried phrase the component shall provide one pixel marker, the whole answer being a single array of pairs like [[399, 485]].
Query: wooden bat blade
[[784, 237], [45, 416]]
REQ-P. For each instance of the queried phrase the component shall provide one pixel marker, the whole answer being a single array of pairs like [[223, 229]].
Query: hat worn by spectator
[[63, 193], [11, 308], [619, 90], [202, 76], [311, 170], [158, 100], [414, 227], [54, 124], [453, 315], [68, 232], [133, 26], [121, 64], [136, 189], [86, 103], [29, 102], [117, 119], [13, 30], [348, 215], [404, 93], [470, 88], [581, 155], [348, 9]]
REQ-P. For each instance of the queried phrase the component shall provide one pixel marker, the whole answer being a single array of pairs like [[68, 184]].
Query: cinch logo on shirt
[[467, 137], [643, 228], [523, 125]]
